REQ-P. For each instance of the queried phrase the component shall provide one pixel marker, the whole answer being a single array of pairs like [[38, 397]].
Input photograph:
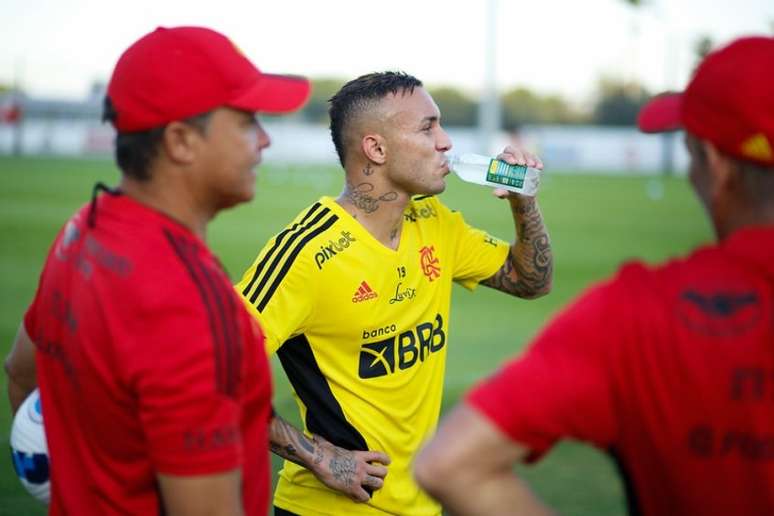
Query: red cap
[[729, 102], [176, 73]]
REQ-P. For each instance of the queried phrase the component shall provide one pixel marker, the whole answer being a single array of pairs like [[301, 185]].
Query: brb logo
[[429, 263], [403, 350], [327, 252]]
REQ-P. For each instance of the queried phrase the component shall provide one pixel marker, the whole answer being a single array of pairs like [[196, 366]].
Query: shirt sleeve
[[31, 319], [477, 255], [562, 386], [279, 292], [187, 380]]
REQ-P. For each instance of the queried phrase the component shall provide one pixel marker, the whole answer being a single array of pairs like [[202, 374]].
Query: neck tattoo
[[361, 197]]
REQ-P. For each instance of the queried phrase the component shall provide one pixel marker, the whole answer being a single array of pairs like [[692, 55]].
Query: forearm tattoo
[[285, 440], [361, 196], [528, 269]]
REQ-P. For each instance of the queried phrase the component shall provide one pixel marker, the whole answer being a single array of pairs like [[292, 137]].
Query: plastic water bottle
[[483, 170]]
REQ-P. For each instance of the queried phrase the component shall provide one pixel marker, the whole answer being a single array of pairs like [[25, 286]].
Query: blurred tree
[[702, 47], [457, 109], [316, 110], [618, 102], [522, 106]]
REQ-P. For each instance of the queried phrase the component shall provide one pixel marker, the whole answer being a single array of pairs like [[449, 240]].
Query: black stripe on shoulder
[[293, 236], [224, 298], [286, 266], [220, 307], [420, 197], [277, 243], [324, 415]]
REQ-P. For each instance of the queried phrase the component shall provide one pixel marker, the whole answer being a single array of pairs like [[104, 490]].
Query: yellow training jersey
[[361, 331]]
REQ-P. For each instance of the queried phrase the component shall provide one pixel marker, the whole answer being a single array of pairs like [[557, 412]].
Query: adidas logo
[[363, 293]]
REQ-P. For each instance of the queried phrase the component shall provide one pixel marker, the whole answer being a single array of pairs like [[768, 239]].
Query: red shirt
[[671, 369], [147, 363]]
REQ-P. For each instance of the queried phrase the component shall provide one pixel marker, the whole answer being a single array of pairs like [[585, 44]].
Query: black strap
[[98, 186]]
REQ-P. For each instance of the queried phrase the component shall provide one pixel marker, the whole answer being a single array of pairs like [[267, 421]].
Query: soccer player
[[669, 368], [153, 377], [354, 297]]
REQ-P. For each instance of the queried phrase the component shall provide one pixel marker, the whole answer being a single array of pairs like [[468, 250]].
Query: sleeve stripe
[[286, 266], [225, 337], [233, 350], [280, 255], [277, 243]]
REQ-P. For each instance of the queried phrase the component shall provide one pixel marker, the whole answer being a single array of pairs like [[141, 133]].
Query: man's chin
[[434, 189]]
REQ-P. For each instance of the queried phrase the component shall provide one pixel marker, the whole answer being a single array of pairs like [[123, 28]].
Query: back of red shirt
[[147, 363], [670, 369]]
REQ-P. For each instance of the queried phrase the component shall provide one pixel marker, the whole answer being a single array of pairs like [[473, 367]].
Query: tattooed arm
[[528, 268], [347, 471]]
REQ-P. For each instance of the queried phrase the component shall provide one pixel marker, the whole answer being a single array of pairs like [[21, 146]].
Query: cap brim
[[661, 114], [274, 94]]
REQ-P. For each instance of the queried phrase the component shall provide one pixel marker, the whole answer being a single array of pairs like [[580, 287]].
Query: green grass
[[595, 222]]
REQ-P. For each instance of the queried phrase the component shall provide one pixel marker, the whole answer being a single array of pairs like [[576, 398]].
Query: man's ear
[[374, 147], [181, 142]]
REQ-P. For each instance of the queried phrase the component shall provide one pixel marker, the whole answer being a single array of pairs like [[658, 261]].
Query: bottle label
[[503, 173]]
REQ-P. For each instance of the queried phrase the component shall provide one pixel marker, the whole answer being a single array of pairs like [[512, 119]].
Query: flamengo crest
[[429, 263]]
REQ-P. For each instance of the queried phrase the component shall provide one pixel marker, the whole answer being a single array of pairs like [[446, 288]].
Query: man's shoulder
[[699, 262], [317, 226]]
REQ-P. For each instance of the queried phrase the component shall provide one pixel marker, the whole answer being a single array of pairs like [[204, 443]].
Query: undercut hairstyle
[[136, 151], [757, 179], [359, 95]]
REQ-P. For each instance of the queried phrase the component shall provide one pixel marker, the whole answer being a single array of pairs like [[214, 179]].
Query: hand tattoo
[[342, 466]]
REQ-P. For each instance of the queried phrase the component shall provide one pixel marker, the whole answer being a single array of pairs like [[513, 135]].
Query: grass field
[[595, 224]]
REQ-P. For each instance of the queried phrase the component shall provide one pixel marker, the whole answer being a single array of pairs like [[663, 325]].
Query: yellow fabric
[[375, 322]]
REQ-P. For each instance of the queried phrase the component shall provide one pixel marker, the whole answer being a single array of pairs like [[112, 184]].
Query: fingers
[[373, 482], [516, 156], [360, 495], [500, 193], [375, 456], [376, 470]]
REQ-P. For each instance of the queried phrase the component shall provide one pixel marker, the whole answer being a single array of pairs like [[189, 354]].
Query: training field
[[595, 223]]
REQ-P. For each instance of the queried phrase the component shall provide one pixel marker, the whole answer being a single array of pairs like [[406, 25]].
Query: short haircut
[[136, 151], [358, 95], [757, 179]]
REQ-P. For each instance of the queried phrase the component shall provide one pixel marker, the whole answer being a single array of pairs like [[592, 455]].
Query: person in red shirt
[[669, 368], [154, 381]]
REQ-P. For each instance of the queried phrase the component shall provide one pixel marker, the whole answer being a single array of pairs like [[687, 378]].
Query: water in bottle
[[487, 171]]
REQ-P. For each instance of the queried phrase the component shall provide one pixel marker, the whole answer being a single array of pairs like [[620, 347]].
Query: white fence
[[562, 148]]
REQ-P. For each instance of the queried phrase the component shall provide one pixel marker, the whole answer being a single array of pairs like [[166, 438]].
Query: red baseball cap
[[729, 102], [176, 73]]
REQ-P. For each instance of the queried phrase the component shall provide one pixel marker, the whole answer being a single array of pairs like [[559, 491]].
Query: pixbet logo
[[412, 214], [401, 351], [333, 247]]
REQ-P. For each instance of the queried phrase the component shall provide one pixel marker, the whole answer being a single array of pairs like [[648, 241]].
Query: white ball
[[29, 450]]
